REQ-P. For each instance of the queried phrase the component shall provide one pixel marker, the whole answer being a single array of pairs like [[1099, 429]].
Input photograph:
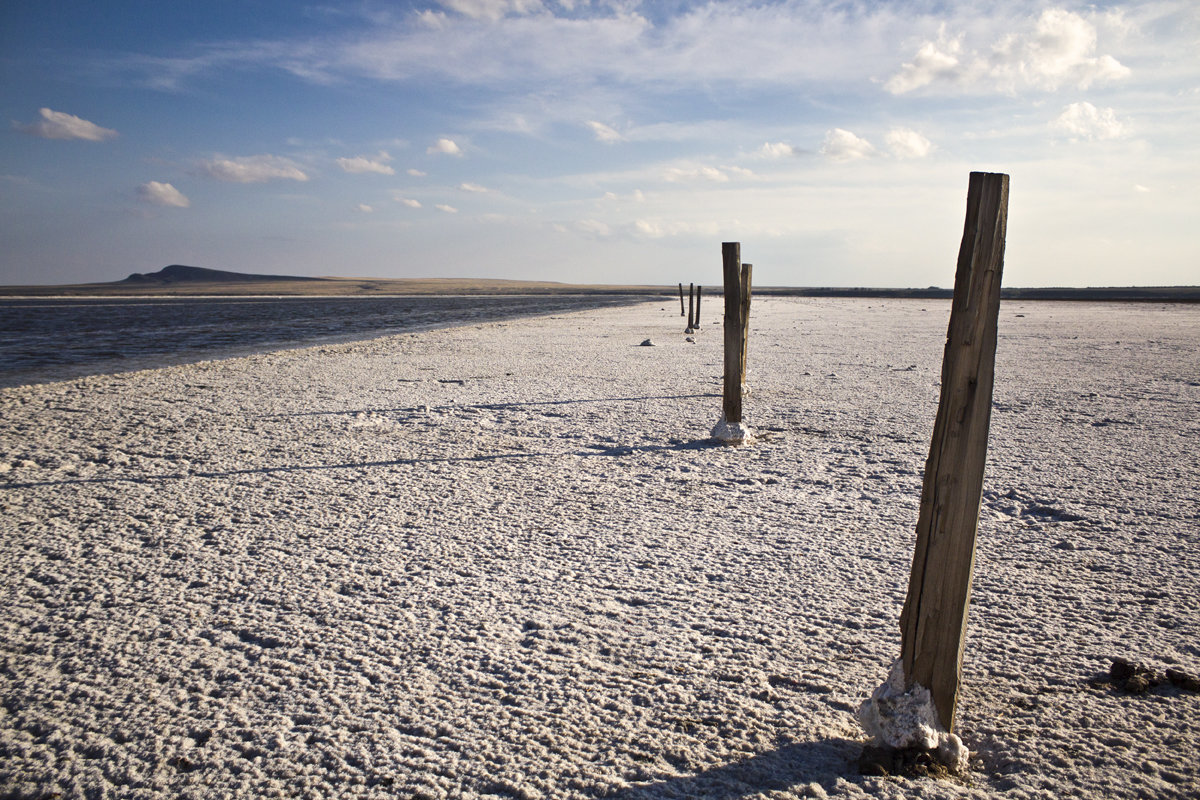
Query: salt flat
[[505, 561]]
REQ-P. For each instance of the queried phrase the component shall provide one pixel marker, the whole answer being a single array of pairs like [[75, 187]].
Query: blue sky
[[598, 142]]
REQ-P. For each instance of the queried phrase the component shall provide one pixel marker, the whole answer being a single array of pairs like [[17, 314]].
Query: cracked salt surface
[[507, 561]]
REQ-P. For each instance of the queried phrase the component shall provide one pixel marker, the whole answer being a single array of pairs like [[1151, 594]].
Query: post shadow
[[791, 766]]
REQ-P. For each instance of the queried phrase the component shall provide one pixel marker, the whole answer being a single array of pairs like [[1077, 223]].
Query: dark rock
[[1137, 684], [1182, 680], [911, 762], [1121, 669], [647, 343], [1133, 678]]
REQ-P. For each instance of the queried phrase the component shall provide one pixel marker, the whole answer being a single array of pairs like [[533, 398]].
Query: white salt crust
[[732, 432], [507, 560], [898, 717]]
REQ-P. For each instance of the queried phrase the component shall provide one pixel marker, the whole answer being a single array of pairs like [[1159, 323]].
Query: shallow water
[[60, 338]]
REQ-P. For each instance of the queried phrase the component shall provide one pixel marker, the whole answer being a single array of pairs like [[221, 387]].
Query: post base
[[903, 719], [732, 432]]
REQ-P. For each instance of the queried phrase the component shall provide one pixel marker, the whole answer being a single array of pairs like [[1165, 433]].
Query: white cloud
[[777, 150], [416, 173], [1059, 49], [694, 173], [1085, 121], [652, 230], [1137, 187], [636, 196], [842, 145], [473, 187], [162, 194], [253, 169], [907, 143], [491, 9], [655, 229], [593, 227], [934, 61], [363, 164], [446, 208], [60, 125], [491, 41], [363, 208], [604, 133], [445, 147], [408, 201]]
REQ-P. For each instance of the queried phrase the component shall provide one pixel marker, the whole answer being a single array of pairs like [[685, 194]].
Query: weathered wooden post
[[745, 300], [730, 429], [681, 300], [691, 306], [699, 291], [915, 708]]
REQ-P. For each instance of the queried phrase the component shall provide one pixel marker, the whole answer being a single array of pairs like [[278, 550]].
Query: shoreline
[[505, 560], [417, 287], [268, 334]]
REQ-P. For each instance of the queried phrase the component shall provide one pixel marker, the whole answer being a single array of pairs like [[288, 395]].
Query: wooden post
[[735, 330], [681, 300], [691, 305], [934, 621], [699, 290], [745, 312]]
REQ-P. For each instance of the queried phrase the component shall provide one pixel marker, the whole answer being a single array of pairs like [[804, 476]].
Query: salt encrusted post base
[[903, 719], [732, 432]]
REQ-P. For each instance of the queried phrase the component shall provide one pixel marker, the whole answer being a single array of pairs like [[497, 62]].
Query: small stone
[[647, 343], [690, 339]]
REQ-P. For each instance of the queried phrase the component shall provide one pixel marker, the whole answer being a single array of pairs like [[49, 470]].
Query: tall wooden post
[[681, 300], [735, 329], [745, 315], [699, 291], [934, 621]]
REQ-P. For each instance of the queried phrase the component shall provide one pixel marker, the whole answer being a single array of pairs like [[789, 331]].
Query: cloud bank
[[1058, 50]]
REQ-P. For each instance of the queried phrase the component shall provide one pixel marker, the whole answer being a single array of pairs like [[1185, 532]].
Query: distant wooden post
[[691, 305], [681, 300], [934, 621], [699, 290]]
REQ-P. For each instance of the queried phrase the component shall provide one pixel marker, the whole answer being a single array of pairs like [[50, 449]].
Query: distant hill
[[178, 273], [179, 280]]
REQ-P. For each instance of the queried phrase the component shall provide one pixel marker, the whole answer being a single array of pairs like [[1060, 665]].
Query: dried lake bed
[[505, 560]]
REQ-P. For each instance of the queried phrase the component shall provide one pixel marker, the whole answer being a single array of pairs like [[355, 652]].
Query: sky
[[602, 141]]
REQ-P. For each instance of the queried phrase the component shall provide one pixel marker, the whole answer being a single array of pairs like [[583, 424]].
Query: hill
[[178, 273]]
